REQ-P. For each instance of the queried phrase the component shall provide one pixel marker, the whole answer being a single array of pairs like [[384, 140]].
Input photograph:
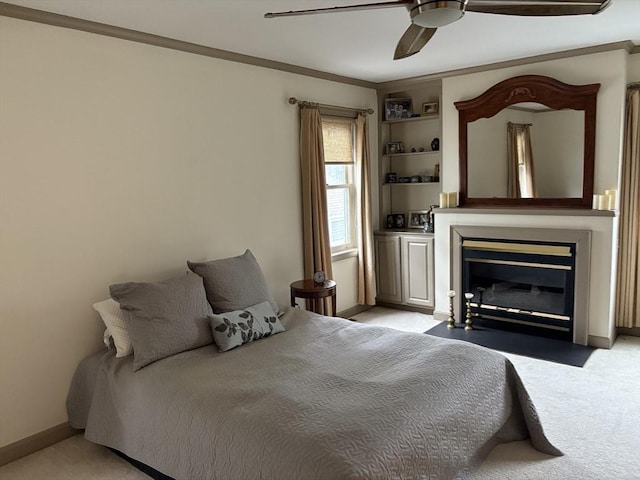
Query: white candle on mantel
[[611, 197], [444, 200], [603, 203], [600, 202], [453, 199], [451, 293]]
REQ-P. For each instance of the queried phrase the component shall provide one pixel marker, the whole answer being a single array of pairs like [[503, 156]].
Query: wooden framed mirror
[[528, 141]]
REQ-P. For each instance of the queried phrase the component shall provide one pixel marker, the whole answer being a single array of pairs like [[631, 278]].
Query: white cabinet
[[404, 268], [388, 268], [417, 271]]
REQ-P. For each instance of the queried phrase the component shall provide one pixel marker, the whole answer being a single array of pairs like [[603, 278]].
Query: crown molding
[[393, 85], [64, 21], [57, 20]]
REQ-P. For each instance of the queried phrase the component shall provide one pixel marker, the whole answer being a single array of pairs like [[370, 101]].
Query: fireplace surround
[[532, 280]]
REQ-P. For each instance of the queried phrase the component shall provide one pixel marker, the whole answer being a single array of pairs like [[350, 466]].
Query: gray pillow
[[164, 318], [234, 283], [232, 329]]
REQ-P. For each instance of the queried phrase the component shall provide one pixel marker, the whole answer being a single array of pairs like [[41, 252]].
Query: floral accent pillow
[[232, 329]]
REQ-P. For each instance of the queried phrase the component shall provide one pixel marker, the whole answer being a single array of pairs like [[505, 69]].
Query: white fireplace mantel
[[601, 276]]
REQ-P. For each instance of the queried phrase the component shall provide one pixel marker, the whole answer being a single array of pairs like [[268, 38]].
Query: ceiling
[[353, 44]]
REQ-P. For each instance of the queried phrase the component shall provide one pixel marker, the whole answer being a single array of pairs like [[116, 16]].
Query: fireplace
[[531, 281], [526, 287]]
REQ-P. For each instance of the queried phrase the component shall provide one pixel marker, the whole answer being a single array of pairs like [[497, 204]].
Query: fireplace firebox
[[529, 280], [521, 286]]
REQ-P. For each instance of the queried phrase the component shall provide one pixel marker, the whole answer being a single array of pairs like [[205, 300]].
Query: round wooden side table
[[314, 293]]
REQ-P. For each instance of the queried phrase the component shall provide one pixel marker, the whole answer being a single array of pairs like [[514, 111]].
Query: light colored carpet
[[72, 459], [592, 414], [398, 319]]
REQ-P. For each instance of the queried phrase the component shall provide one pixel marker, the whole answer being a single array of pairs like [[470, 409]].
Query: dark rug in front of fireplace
[[550, 349]]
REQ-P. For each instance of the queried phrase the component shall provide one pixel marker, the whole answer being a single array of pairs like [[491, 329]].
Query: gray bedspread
[[327, 399]]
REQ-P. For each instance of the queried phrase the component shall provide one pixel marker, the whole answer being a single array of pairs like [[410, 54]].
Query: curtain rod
[[304, 103]]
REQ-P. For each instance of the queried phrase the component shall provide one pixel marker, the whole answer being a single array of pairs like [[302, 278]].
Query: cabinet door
[[388, 268], [417, 271]]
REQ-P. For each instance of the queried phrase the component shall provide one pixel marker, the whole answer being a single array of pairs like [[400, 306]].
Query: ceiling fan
[[428, 15]]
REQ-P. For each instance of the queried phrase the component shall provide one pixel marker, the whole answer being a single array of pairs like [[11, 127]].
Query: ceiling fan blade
[[346, 8], [537, 8], [412, 41]]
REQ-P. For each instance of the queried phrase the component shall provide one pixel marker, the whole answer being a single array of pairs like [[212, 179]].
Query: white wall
[[610, 70], [119, 161]]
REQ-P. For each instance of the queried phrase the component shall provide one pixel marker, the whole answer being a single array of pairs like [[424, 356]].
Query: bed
[[327, 398]]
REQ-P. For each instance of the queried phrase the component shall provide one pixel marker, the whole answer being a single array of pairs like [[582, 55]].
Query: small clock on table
[[319, 278]]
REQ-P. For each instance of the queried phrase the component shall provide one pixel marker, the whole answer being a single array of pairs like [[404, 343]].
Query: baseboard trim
[[442, 316], [38, 441], [400, 306], [599, 342], [633, 331], [356, 309]]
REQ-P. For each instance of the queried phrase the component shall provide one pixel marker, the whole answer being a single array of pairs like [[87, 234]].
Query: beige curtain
[[520, 161], [315, 229], [627, 304], [366, 273]]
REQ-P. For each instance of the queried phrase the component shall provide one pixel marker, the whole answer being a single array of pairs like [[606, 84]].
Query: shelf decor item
[[397, 108], [391, 221], [394, 147], [391, 177], [398, 220], [418, 218], [429, 109], [435, 144]]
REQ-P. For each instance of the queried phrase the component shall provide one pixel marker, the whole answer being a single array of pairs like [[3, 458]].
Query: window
[[338, 136]]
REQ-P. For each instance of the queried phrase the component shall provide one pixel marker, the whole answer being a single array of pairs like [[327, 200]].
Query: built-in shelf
[[411, 184], [405, 152], [412, 119], [410, 154], [404, 231]]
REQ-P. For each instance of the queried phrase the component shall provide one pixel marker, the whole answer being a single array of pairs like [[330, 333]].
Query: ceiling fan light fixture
[[435, 13]]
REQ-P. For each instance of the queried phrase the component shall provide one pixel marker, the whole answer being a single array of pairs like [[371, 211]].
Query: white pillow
[[106, 338], [113, 319]]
